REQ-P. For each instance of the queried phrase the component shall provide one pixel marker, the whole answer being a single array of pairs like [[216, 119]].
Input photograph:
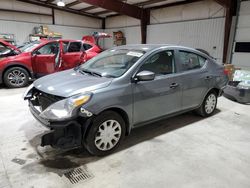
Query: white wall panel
[[17, 5], [207, 34], [198, 10], [132, 34], [121, 21], [14, 16], [244, 21], [243, 34], [245, 8], [22, 30], [69, 19], [61, 17]]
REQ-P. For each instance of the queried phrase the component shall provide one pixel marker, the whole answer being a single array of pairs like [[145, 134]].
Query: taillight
[[226, 72]]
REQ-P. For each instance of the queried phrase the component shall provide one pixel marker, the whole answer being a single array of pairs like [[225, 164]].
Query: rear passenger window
[[190, 61], [74, 47], [202, 60], [86, 46]]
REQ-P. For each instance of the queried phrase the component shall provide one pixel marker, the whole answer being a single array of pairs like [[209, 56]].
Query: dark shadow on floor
[[57, 160], [2, 86]]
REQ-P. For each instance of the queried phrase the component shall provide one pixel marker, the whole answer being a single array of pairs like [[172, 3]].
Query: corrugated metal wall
[[198, 25], [207, 34], [132, 34], [23, 29], [72, 26]]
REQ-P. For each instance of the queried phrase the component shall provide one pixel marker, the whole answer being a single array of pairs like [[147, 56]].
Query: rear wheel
[[105, 134], [209, 104], [16, 77]]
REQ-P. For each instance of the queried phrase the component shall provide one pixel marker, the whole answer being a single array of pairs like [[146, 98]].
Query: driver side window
[[51, 48], [161, 63]]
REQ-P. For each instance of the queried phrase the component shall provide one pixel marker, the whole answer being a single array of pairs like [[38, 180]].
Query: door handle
[[174, 85], [208, 77]]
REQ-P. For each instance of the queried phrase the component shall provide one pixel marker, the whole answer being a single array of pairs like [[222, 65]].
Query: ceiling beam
[[25, 12], [166, 5], [50, 1], [148, 2], [88, 8], [224, 3], [174, 4], [66, 9], [118, 6], [102, 12], [73, 3], [135, 4]]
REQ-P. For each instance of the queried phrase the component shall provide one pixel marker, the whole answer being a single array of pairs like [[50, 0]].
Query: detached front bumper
[[233, 92], [62, 134]]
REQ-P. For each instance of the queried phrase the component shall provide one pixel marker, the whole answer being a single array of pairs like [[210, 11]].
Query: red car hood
[[9, 45]]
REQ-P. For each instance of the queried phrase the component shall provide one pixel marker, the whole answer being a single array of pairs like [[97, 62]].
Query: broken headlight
[[66, 108]]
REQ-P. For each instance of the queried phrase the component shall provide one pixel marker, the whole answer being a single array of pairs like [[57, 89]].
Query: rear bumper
[[62, 134], [238, 94]]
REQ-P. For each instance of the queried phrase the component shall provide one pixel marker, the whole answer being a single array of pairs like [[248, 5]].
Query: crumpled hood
[[70, 82], [9, 45]]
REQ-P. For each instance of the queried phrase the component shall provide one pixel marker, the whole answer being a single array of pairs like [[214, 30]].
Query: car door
[[44, 59], [73, 55], [161, 96], [195, 79]]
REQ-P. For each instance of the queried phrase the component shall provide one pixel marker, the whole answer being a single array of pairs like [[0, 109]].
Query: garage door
[[241, 51]]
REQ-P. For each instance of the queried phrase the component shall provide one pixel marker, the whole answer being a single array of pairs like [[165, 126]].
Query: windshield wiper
[[91, 72]]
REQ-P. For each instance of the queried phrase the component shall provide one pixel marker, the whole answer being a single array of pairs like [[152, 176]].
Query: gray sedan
[[96, 104]]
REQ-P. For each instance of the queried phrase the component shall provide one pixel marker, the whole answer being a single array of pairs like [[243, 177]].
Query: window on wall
[[242, 47], [190, 61], [160, 63]]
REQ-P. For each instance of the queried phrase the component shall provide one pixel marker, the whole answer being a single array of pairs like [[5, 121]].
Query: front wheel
[[106, 133], [16, 77], [209, 105]]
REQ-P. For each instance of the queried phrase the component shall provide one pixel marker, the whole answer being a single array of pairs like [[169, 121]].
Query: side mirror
[[34, 53], [144, 76]]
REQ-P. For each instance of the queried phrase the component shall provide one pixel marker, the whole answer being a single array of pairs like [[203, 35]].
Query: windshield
[[29, 47], [112, 63]]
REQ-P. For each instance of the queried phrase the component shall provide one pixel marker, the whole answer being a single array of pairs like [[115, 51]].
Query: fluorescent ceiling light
[[60, 3]]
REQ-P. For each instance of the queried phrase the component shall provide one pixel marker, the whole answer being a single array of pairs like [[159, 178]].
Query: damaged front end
[[65, 118]]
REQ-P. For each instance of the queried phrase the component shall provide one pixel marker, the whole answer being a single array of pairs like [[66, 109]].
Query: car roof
[[151, 47]]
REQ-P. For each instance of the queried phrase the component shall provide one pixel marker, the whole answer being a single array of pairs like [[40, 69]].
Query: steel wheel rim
[[210, 103], [108, 135], [16, 77]]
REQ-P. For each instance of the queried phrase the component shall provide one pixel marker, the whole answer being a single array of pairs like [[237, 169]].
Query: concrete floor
[[184, 151]]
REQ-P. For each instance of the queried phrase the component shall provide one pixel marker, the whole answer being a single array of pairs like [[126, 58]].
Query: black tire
[[90, 140], [203, 110], [21, 80]]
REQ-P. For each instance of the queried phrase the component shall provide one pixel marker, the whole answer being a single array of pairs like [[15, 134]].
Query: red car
[[43, 57]]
